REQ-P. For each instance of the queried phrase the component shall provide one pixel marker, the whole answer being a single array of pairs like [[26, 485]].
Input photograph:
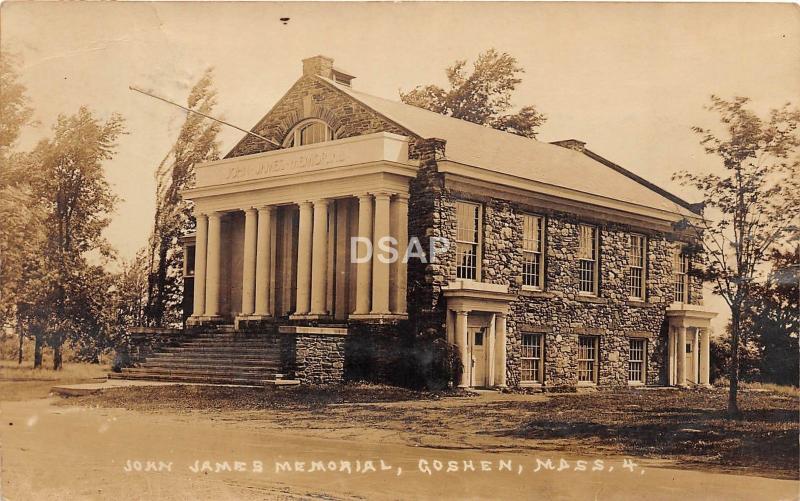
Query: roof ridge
[[639, 179], [349, 90]]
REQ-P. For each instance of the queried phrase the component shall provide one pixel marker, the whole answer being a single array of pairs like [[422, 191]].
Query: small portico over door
[[688, 345], [476, 324]]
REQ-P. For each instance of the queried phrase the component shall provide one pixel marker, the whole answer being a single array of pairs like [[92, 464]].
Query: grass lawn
[[687, 428], [21, 382]]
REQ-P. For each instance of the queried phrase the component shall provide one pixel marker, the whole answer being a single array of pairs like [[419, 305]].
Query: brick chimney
[[572, 144], [323, 66]]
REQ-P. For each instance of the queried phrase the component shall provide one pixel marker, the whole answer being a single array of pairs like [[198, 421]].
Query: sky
[[628, 79]]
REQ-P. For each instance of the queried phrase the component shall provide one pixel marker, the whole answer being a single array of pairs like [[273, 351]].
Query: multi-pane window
[[638, 350], [467, 239], [587, 359], [636, 257], [309, 133], [532, 366], [680, 267], [532, 246], [587, 256]]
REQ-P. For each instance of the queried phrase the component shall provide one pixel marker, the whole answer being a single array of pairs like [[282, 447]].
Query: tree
[[751, 208], [21, 216], [196, 143], [481, 97], [77, 200], [15, 112], [127, 303], [775, 318]]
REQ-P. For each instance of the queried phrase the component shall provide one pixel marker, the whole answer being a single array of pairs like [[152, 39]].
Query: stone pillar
[[500, 349], [380, 265], [249, 258], [463, 348], [200, 250], [212, 264], [304, 259], [400, 267], [364, 269], [263, 261], [319, 266], [705, 357], [681, 356]]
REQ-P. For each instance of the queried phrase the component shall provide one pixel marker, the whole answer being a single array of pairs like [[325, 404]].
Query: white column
[[463, 348], [213, 262], [500, 349], [380, 267], [364, 269], [304, 259], [705, 357], [400, 267], [263, 260], [450, 325], [491, 345], [200, 250], [249, 258], [671, 379], [695, 355], [681, 356], [319, 266]]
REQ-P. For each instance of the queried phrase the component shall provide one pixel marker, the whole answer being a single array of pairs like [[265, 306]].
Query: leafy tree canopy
[[196, 143], [752, 206], [482, 97]]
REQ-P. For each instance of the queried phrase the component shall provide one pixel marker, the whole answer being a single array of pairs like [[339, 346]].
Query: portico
[[688, 345], [476, 324], [274, 232]]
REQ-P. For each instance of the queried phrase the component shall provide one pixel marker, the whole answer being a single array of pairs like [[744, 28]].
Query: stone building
[[553, 266]]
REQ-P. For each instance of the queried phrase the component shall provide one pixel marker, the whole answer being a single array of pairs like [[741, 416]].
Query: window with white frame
[[587, 256], [532, 359], [587, 359], [308, 132], [636, 267], [468, 217], [532, 250], [636, 358], [680, 267]]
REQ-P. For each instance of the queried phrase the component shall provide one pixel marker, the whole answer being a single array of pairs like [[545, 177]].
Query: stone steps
[[202, 365], [218, 355], [222, 350], [201, 379], [228, 344], [221, 360], [203, 371]]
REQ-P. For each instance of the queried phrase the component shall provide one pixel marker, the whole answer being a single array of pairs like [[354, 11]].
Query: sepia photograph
[[399, 250]]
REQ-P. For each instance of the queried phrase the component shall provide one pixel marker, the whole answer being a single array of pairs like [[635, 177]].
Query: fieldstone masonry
[[319, 359], [557, 311]]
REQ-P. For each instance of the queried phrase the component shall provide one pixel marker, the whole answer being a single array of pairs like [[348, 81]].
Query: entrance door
[[477, 344], [691, 370]]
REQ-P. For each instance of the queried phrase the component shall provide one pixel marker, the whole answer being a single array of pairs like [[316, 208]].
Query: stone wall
[[558, 312], [431, 213], [311, 97], [319, 358]]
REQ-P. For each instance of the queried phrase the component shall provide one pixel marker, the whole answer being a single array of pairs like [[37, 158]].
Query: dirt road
[[58, 452]]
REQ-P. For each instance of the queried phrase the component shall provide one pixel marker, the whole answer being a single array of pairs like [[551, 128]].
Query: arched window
[[308, 132]]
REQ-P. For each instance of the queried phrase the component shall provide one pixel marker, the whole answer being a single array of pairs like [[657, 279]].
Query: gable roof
[[483, 147]]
